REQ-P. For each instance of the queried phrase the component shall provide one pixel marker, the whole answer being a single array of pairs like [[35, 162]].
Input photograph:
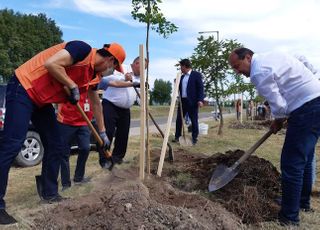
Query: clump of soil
[[250, 195]]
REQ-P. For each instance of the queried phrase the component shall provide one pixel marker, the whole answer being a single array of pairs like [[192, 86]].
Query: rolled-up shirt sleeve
[[267, 87]]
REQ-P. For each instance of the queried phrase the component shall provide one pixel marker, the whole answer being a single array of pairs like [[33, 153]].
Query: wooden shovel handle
[[91, 127], [181, 114], [252, 149]]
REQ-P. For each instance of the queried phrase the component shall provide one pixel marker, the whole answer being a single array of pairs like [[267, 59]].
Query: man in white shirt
[[293, 94], [116, 103]]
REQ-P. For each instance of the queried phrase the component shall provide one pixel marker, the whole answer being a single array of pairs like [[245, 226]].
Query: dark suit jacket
[[194, 88]]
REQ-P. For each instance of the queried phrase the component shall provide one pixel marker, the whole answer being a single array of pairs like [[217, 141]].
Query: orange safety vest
[[69, 114], [44, 88]]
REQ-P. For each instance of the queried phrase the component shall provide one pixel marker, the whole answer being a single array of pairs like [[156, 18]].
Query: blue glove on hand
[[74, 95], [105, 139]]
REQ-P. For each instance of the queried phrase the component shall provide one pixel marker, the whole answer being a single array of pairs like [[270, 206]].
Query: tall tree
[[22, 36], [210, 57], [161, 91], [148, 11]]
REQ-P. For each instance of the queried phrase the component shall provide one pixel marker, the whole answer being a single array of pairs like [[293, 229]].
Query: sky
[[286, 25]]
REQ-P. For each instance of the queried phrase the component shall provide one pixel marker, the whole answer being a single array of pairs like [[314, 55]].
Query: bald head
[[240, 61]]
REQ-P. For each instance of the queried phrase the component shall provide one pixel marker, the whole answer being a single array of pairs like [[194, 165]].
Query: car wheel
[[31, 152]]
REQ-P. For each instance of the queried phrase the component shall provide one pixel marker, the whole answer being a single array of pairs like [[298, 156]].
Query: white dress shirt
[[184, 85], [283, 81], [121, 97]]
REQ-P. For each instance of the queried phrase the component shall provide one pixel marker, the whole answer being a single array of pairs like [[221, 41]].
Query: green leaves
[[22, 36], [147, 11], [161, 93]]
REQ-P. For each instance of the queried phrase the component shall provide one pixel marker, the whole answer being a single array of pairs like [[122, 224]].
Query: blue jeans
[[82, 135], [314, 169], [297, 157], [20, 109]]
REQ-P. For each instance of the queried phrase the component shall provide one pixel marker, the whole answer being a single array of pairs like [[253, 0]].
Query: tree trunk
[[220, 132]]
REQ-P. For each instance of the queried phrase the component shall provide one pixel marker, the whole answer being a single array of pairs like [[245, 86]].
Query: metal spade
[[222, 175]]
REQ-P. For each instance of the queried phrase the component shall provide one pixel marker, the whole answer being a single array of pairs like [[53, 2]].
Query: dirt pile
[[178, 200], [250, 195], [123, 202]]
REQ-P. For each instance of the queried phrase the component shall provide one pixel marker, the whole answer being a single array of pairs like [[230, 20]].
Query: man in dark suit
[[191, 92]]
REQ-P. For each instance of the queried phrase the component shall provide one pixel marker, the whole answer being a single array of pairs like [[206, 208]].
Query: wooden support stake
[[167, 132], [142, 115], [241, 108]]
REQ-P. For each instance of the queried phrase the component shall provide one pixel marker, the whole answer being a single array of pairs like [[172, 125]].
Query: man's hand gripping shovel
[[223, 174], [104, 148]]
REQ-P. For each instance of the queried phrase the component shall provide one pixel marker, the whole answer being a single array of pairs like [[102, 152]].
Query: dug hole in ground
[[177, 200]]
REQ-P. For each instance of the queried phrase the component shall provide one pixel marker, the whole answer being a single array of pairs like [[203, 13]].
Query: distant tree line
[[22, 36]]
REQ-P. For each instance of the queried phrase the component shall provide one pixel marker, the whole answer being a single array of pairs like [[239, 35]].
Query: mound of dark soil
[[250, 195]]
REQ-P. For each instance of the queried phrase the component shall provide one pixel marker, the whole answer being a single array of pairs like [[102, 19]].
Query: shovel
[[171, 157], [183, 140], [91, 127], [223, 175]]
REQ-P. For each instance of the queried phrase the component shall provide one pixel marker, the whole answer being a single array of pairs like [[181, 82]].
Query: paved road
[[162, 122]]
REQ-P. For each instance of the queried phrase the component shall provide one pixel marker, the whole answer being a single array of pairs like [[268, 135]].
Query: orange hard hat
[[118, 52]]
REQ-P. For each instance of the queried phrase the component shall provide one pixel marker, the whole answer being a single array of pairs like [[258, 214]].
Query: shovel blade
[[221, 176], [185, 141]]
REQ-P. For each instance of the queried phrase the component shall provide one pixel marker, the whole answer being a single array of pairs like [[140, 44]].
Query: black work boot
[[5, 218]]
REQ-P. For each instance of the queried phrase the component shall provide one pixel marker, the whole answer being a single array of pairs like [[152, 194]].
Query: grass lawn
[[22, 197]]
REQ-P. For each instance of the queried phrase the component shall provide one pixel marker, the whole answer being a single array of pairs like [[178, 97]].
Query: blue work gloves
[[105, 139], [74, 96]]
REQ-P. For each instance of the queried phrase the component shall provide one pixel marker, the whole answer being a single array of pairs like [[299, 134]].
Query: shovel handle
[[252, 149], [181, 114], [91, 127]]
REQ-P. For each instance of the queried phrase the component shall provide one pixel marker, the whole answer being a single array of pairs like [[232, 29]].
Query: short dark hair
[[242, 52], [185, 62]]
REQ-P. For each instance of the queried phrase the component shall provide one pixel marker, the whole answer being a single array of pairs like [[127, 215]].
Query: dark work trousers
[[117, 122], [82, 135], [19, 110], [192, 111], [296, 159]]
